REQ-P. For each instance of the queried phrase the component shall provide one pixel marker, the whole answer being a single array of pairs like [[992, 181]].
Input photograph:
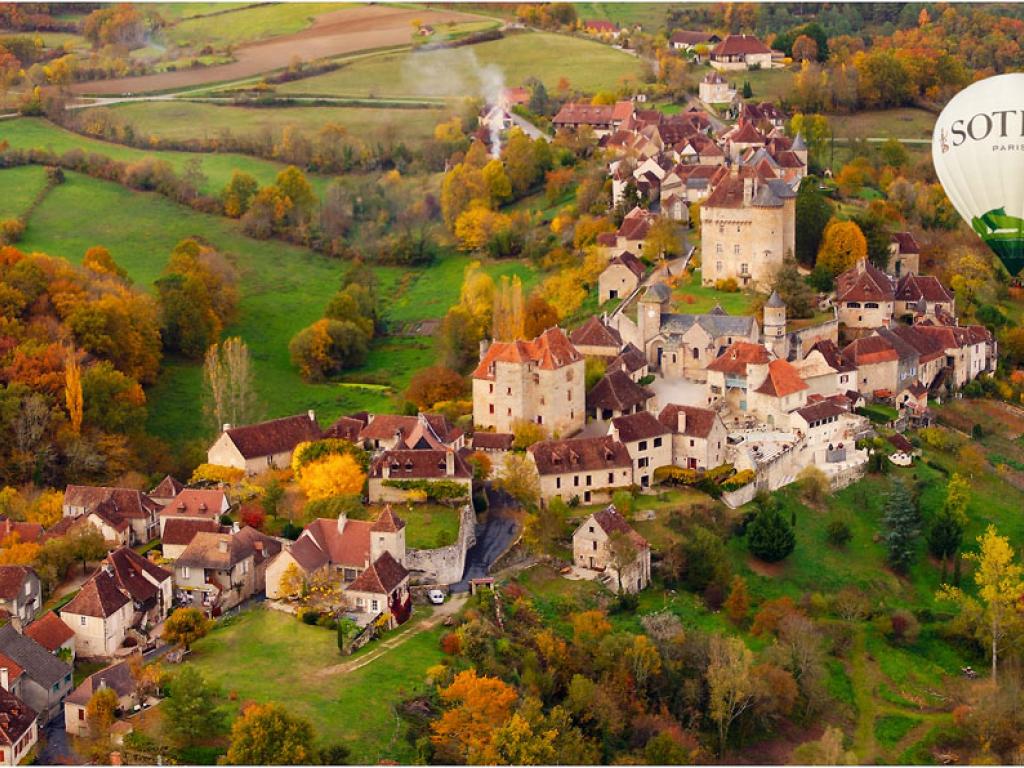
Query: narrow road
[[57, 749], [493, 538], [668, 269]]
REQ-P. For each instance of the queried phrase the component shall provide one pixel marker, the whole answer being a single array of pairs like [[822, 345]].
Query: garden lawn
[[588, 66], [427, 526], [184, 120], [268, 656], [20, 187], [766, 84], [694, 298], [245, 24], [37, 133]]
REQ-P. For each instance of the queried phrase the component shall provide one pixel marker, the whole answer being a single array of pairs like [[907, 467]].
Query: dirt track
[[344, 31]]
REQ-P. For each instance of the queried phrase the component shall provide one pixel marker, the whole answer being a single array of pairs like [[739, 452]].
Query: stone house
[[620, 278], [19, 728], [594, 545], [877, 364], [742, 139], [590, 468], [687, 40], [117, 678], [215, 572], [699, 436], [166, 490], [128, 593], [53, 634], [648, 441], [389, 432], [633, 230], [114, 528], [846, 371], [713, 89], [134, 508], [904, 255], [830, 430], [779, 393], [398, 476], [630, 361], [748, 226], [820, 377], [741, 52], [342, 547], [865, 297], [923, 296], [197, 505], [256, 448], [921, 355], [265, 551], [542, 381], [45, 680], [595, 338], [970, 350], [616, 394], [740, 368], [20, 592], [382, 588]]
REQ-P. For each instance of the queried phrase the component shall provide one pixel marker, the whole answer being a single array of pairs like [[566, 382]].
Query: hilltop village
[[503, 387]]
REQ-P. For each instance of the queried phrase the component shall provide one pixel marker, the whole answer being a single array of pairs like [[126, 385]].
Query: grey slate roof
[[39, 664], [775, 301], [657, 292], [715, 323], [766, 198]]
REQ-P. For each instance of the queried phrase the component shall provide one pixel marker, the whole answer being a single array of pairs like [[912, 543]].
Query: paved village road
[[57, 749], [493, 538]]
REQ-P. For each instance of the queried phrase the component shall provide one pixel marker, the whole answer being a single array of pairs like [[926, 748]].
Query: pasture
[[293, 664], [588, 66], [905, 123], [184, 120], [21, 185], [235, 26]]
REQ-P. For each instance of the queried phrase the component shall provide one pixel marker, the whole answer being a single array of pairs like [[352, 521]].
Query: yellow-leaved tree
[[333, 475], [73, 390], [842, 246], [47, 509], [1000, 583]]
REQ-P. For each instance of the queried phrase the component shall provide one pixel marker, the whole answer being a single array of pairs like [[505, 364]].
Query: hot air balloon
[[978, 151]]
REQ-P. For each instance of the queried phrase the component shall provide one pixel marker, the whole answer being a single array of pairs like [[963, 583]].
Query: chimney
[[235, 528], [222, 545], [5, 680], [342, 519], [312, 414], [449, 463], [115, 758], [485, 344], [16, 622], [226, 427], [748, 190], [681, 421], [103, 683]]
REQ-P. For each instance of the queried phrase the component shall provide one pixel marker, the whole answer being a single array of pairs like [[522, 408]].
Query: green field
[[589, 67], [427, 526], [650, 15], [183, 120], [36, 133], [694, 298], [767, 84], [246, 24], [904, 123], [21, 185], [269, 656]]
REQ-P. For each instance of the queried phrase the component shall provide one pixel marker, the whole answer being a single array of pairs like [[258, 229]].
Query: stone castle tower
[[774, 327], [387, 534]]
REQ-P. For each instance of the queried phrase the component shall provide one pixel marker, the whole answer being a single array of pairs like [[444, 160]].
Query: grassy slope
[[283, 289], [182, 120], [269, 656], [589, 66], [21, 185], [248, 24], [767, 84], [650, 15], [898, 123], [693, 298], [35, 133]]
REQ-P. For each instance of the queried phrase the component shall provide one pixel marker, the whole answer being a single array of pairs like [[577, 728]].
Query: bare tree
[[728, 675], [230, 391]]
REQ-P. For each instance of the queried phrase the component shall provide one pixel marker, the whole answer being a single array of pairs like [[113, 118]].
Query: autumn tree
[[622, 553], [46, 509], [189, 712], [238, 194], [828, 750], [730, 686], [799, 297], [508, 323], [539, 315], [946, 531], [99, 260], [479, 706], [842, 245], [230, 384], [518, 479], [99, 712], [186, 625], [433, 385], [664, 239], [73, 390], [328, 347], [333, 475], [1000, 581], [805, 48], [292, 581], [737, 604], [267, 734], [296, 187]]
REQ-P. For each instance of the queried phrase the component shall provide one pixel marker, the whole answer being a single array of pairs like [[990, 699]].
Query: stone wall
[[800, 342], [444, 565]]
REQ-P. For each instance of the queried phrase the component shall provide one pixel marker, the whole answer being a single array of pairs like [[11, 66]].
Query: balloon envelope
[[978, 152]]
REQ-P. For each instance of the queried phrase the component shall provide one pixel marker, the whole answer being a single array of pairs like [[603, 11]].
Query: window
[[736, 249], [696, 354], [718, 248], [588, 480], [744, 269], [490, 388], [871, 305], [657, 442], [611, 477], [691, 443], [590, 529], [593, 545], [558, 482], [184, 572], [508, 390], [81, 714], [568, 395], [373, 605], [643, 445], [490, 408], [82, 620], [718, 266], [576, 481], [644, 462]]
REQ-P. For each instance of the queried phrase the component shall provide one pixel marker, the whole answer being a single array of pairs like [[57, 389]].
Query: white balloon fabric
[[978, 151]]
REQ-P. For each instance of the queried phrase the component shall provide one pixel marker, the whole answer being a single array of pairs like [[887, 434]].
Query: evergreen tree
[[770, 537], [947, 529], [812, 216], [901, 523], [748, 92], [794, 291]]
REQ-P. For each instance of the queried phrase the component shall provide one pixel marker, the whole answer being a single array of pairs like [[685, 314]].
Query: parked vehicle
[[436, 596]]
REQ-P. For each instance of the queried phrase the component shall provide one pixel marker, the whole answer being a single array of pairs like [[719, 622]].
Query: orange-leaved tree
[[482, 704]]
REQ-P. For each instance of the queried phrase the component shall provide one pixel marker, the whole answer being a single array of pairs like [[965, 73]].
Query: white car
[[436, 596]]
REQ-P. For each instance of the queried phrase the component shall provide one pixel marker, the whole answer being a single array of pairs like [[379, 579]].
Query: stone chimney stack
[[748, 190], [5, 679], [226, 427], [222, 546], [681, 422], [449, 463], [312, 414], [485, 344], [342, 519]]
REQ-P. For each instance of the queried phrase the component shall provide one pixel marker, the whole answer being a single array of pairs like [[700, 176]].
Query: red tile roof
[[493, 441], [579, 454], [864, 282], [180, 531], [737, 356], [49, 631], [870, 350], [584, 114], [12, 580], [136, 574], [128, 502], [308, 555], [612, 522], [276, 436], [345, 428], [600, 25], [906, 242], [193, 502], [383, 576], [348, 548], [167, 488], [782, 380], [99, 597], [617, 391], [387, 521], [690, 37], [549, 351], [739, 45], [927, 287], [16, 718], [630, 262], [818, 411], [421, 464], [595, 333], [639, 426], [699, 421]]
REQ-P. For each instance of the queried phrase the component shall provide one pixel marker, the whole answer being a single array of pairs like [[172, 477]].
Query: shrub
[[451, 643], [904, 627], [714, 595], [728, 285], [838, 533], [11, 231], [627, 602], [308, 616], [327, 621]]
